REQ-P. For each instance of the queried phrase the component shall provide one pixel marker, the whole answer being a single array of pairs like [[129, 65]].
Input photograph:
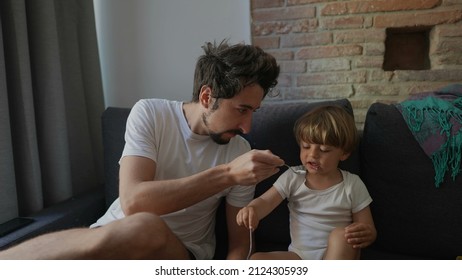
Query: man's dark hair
[[228, 69]]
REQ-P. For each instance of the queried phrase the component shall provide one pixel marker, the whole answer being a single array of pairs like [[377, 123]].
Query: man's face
[[233, 116]]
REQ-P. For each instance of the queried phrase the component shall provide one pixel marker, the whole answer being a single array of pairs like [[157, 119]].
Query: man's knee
[[146, 228], [137, 236], [144, 220]]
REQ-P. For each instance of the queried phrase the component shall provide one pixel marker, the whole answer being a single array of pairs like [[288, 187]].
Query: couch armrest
[[79, 211]]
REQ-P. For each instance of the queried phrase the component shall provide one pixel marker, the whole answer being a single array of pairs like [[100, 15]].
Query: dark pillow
[[412, 216]]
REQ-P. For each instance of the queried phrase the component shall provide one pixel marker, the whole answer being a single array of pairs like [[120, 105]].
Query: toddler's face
[[319, 158]]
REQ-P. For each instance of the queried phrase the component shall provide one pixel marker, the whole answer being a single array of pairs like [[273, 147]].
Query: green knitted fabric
[[436, 123]]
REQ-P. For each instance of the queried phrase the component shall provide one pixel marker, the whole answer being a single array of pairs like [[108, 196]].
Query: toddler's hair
[[328, 125]]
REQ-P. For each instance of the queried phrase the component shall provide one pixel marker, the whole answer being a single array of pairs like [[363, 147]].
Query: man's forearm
[[167, 196]]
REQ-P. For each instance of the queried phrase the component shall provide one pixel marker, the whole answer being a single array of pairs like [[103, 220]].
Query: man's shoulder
[[152, 107], [156, 102]]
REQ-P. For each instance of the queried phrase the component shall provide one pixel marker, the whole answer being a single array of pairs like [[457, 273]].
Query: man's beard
[[217, 137]]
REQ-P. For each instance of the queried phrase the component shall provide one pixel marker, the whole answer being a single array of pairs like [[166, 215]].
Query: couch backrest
[[113, 124], [411, 215]]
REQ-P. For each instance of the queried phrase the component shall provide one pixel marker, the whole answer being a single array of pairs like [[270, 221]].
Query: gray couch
[[414, 219]]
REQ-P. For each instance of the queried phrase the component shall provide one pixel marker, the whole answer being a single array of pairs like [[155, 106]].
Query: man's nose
[[246, 125]]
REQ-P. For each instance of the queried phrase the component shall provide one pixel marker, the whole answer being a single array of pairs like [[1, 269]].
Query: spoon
[[294, 170]]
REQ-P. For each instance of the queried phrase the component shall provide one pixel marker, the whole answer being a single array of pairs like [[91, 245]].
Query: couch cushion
[[412, 216]]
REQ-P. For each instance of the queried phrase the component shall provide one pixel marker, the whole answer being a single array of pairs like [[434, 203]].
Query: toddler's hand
[[360, 235], [247, 217]]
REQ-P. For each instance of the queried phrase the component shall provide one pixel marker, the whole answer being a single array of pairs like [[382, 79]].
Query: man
[[179, 160]]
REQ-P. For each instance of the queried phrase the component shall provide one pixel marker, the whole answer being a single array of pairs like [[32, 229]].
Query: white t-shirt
[[157, 129], [315, 213]]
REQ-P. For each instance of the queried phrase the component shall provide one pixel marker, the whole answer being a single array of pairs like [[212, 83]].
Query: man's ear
[[205, 96]]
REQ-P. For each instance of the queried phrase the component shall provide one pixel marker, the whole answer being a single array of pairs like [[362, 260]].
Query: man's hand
[[254, 166]]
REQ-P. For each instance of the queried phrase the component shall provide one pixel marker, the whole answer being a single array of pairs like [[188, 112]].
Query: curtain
[[51, 101]]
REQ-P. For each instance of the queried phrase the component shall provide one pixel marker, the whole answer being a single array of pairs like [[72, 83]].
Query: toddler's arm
[[361, 233], [258, 208]]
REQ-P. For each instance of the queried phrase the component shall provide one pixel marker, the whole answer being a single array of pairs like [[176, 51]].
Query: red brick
[[293, 66], [321, 92], [447, 45], [369, 62], [424, 87], [282, 54], [357, 38], [421, 19], [329, 64], [283, 13], [448, 30], [304, 25], [267, 28], [342, 22], [360, 36], [255, 4], [284, 27], [374, 49], [332, 78], [453, 75], [450, 2], [312, 39], [448, 53], [302, 2], [329, 51], [374, 89], [378, 75], [356, 7], [266, 42]]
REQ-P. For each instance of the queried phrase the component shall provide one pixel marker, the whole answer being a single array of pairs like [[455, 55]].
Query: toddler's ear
[[345, 156]]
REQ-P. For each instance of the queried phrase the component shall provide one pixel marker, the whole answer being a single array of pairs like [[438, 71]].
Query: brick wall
[[335, 49]]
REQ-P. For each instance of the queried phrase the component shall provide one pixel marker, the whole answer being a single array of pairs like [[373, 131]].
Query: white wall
[[148, 48]]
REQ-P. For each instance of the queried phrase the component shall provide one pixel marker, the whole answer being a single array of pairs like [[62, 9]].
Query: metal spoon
[[294, 170]]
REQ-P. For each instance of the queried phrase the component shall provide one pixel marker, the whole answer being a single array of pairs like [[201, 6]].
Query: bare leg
[[338, 248], [140, 236], [276, 255]]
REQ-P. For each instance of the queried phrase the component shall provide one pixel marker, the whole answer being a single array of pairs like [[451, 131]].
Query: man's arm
[[238, 237], [141, 192]]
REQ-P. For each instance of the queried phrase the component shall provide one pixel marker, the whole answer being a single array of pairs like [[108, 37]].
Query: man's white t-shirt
[[315, 213], [157, 129]]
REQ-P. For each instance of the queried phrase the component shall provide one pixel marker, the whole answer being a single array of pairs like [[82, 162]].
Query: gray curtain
[[51, 100]]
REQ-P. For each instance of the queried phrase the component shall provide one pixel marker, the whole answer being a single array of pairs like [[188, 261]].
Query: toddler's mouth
[[313, 165]]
